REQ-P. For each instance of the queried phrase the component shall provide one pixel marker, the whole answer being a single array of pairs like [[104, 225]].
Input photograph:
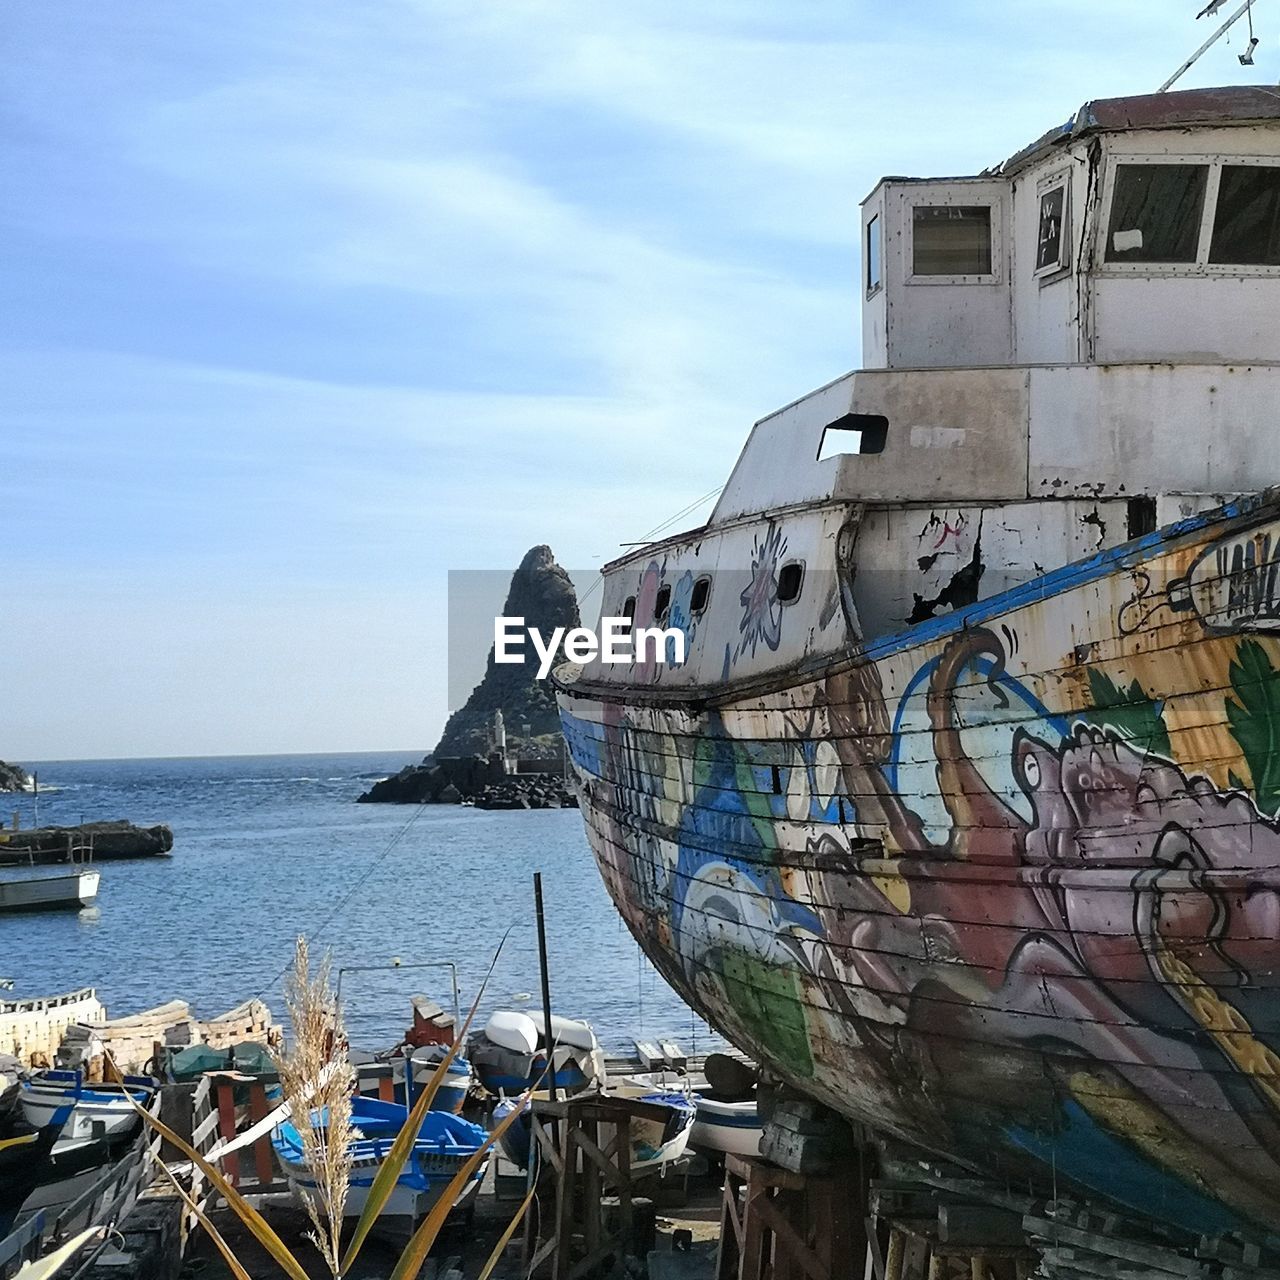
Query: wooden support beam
[[264, 1167]]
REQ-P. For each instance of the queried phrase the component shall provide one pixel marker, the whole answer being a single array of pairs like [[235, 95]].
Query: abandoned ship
[[962, 812]]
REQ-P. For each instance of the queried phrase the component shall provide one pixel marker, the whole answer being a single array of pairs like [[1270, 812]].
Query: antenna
[[1208, 11]]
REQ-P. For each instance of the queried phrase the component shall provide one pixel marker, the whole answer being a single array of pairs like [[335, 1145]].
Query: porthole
[[629, 610], [699, 596], [662, 603], [790, 582]]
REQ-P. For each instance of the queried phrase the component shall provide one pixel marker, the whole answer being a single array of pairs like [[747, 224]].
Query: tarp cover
[[191, 1063]]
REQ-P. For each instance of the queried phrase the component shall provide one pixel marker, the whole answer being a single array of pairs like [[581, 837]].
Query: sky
[[306, 305]]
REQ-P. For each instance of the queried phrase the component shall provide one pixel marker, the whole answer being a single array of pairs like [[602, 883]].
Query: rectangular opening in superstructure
[[951, 240], [854, 433], [1156, 210]]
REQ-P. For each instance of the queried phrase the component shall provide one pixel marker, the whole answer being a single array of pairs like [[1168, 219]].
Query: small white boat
[[451, 1092], [655, 1143], [101, 1110], [728, 1128], [724, 1124], [49, 893], [509, 1055], [11, 1073]]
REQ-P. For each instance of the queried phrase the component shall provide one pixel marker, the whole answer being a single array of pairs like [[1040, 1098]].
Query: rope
[[355, 888]]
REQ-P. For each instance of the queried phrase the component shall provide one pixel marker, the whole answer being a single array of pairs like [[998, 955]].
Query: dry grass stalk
[[318, 1081]]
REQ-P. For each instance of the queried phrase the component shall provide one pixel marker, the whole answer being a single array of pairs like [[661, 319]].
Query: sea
[[270, 847]]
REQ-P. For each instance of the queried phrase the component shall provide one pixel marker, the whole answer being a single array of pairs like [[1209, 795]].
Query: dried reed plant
[[318, 1080], [317, 1074]]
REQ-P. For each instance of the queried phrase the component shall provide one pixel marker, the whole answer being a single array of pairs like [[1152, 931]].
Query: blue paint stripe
[[748, 1121], [1065, 578]]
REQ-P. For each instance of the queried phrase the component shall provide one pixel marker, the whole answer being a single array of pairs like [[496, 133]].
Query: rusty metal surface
[[1181, 108]]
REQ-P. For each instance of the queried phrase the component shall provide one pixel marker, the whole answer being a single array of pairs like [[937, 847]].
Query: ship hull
[[1005, 886]]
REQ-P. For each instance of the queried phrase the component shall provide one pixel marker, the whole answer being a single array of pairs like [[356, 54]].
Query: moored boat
[[961, 812], [49, 893]]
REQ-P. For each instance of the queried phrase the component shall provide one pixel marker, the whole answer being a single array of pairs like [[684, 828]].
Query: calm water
[[266, 847]]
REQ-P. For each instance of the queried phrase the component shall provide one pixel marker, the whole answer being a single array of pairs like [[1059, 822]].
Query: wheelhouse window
[[1246, 222], [1156, 211], [629, 611], [951, 240], [662, 604], [1051, 245], [699, 595], [873, 255]]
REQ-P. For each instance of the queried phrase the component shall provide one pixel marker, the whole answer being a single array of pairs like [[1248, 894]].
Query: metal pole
[[1208, 44], [546, 985]]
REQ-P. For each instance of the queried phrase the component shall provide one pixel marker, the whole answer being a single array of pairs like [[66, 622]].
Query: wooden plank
[[564, 1204], [594, 1167], [673, 1055], [598, 1161], [203, 1134], [650, 1055], [12, 1246], [754, 1262], [786, 1237], [875, 1257]]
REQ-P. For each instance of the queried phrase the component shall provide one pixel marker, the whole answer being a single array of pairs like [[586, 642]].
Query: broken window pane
[[951, 240], [1050, 245], [1155, 212], [873, 254], [1246, 223]]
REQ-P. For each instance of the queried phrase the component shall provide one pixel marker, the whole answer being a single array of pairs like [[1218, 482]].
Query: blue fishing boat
[[101, 1109], [442, 1145]]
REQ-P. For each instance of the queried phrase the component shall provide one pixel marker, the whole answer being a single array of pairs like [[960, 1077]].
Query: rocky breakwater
[[447, 781], [100, 840], [14, 778], [472, 780], [528, 791]]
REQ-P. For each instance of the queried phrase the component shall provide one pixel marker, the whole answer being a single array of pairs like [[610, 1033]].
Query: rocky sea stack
[[502, 749], [542, 594]]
